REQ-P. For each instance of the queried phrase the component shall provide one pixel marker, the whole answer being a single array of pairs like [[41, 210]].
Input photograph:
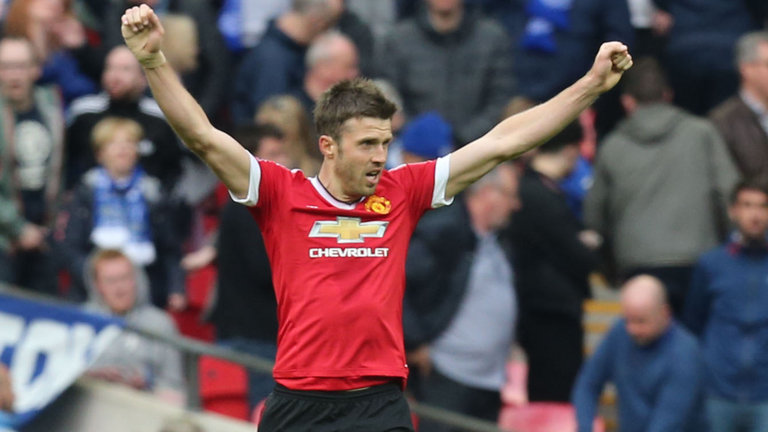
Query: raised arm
[[143, 33], [524, 131]]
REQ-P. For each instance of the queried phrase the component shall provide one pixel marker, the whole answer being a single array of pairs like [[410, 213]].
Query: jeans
[[727, 416], [260, 384]]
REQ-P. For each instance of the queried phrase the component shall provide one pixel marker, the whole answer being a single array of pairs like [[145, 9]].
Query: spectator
[[728, 309], [182, 45], [359, 32], [451, 61], [552, 42], [661, 184], [245, 312], [380, 15], [743, 119], [332, 57], [648, 38], [243, 22], [287, 113], [654, 363], [428, 136], [210, 81], [552, 46], [119, 288], [552, 269], [32, 147], [276, 65], [6, 389], [119, 206], [701, 35], [123, 96], [460, 308], [54, 31]]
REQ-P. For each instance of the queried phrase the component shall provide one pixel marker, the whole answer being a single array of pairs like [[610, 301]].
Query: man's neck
[[446, 22], [752, 242], [549, 166], [22, 106], [754, 98], [333, 185]]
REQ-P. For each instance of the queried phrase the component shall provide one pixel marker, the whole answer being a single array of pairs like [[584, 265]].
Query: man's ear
[[328, 146], [629, 103]]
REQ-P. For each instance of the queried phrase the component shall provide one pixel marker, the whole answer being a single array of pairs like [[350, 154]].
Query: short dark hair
[[748, 184], [250, 135], [355, 98], [646, 81], [572, 134]]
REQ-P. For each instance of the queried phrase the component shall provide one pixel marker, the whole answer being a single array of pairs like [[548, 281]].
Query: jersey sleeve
[[254, 182], [426, 183], [266, 180]]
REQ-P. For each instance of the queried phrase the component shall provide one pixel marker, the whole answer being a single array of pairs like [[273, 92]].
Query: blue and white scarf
[[121, 217], [545, 17]]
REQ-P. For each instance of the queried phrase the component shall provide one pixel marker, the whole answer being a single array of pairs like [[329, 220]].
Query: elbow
[[199, 140]]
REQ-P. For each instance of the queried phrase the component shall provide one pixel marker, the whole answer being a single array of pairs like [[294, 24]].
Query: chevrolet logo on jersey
[[348, 229]]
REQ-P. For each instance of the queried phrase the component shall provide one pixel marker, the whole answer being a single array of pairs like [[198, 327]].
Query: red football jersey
[[339, 271]]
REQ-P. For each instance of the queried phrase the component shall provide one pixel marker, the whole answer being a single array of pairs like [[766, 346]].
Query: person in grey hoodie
[[661, 183], [117, 287]]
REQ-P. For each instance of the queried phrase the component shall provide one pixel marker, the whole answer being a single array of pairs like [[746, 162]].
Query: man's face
[[646, 321], [755, 74], [750, 214], [360, 155], [500, 198], [119, 155], [116, 282], [271, 148], [18, 70], [122, 78]]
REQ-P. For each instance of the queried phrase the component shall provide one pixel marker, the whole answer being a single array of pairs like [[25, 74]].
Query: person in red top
[[337, 242]]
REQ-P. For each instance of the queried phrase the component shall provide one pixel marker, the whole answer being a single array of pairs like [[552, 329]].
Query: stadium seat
[[224, 388], [542, 417], [258, 410], [189, 321]]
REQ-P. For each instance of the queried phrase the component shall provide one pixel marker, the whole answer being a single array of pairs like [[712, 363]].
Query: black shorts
[[377, 409]]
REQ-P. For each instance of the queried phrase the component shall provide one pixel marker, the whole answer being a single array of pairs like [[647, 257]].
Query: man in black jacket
[[245, 311], [460, 284], [124, 88], [553, 263]]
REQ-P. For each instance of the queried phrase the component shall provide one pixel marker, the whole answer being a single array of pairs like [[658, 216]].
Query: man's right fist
[[143, 33]]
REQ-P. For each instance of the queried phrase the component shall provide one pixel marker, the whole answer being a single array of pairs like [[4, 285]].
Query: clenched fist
[[143, 33]]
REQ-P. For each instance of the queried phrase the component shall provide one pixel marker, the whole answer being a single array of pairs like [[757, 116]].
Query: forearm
[[11, 221], [181, 110], [520, 133]]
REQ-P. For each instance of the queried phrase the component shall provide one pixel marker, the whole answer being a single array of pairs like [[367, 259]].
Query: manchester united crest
[[378, 205]]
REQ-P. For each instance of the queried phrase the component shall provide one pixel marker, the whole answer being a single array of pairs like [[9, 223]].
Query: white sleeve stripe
[[442, 172], [253, 185]]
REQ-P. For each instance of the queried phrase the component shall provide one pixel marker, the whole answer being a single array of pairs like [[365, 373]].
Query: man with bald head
[[653, 362], [331, 58]]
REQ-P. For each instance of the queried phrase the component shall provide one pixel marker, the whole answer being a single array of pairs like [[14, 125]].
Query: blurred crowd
[[101, 204]]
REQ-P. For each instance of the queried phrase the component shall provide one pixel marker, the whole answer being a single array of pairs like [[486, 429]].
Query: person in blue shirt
[[727, 308], [652, 360]]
